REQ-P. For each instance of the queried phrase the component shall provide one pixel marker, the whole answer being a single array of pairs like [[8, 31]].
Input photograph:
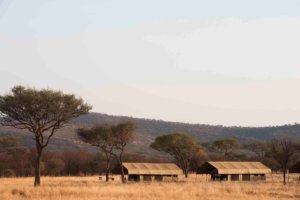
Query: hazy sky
[[233, 62]]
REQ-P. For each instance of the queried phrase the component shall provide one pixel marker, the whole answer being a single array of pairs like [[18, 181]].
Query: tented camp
[[150, 171], [235, 171], [295, 168]]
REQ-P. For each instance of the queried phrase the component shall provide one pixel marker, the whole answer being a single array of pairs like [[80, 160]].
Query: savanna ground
[[197, 187]]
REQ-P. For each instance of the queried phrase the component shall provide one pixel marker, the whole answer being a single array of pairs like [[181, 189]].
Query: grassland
[[90, 188]]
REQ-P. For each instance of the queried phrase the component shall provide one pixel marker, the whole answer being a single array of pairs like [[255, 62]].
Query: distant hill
[[148, 129]]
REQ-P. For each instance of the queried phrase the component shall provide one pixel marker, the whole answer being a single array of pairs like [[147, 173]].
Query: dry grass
[[90, 188]]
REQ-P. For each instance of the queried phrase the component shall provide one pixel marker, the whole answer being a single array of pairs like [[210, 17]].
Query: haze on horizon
[[232, 62]]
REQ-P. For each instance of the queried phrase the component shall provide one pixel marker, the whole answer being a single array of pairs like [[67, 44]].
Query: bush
[[9, 173]]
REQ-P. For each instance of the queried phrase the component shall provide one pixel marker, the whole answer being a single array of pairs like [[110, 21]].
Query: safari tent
[[235, 171], [150, 171], [295, 168]]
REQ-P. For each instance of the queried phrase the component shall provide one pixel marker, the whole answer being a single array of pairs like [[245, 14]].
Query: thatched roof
[[152, 168], [234, 168], [295, 168]]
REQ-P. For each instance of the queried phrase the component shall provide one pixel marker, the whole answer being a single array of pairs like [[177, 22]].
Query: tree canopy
[[41, 112], [226, 146], [283, 150], [181, 146], [111, 139]]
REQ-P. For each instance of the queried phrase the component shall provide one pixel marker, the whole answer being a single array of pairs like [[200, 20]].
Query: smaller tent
[[235, 171], [295, 168], [150, 171]]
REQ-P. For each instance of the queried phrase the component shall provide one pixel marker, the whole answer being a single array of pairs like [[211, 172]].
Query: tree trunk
[[107, 171], [122, 173], [122, 169], [186, 173], [284, 177], [37, 170], [106, 176], [107, 167], [186, 168]]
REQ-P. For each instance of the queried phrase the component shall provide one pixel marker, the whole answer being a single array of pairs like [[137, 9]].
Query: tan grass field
[[197, 187]]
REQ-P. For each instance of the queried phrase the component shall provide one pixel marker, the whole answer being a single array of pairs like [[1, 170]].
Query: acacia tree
[[41, 112], [112, 140], [122, 136], [101, 137], [282, 151], [181, 146], [226, 146]]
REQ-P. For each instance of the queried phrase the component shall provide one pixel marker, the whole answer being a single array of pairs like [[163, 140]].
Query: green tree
[[111, 140], [41, 112], [226, 147], [181, 146], [282, 151], [123, 134], [100, 136]]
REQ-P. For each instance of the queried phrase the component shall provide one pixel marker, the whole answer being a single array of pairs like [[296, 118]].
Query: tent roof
[[235, 168], [152, 168]]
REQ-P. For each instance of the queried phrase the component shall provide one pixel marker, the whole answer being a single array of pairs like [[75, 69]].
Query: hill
[[147, 130]]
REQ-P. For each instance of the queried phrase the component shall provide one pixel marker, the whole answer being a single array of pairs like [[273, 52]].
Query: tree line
[[43, 112], [16, 160], [19, 161]]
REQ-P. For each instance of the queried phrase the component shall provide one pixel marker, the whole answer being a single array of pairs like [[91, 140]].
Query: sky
[[232, 63]]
